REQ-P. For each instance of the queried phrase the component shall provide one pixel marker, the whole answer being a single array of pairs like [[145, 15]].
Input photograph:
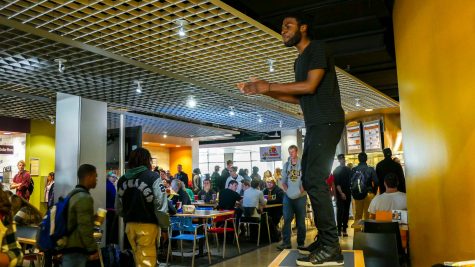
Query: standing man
[[181, 175], [215, 179], [22, 181], [225, 175], [316, 89], [111, 218], [295, 199], [80, 245], [342, 182], [387, 166], [370, 187]]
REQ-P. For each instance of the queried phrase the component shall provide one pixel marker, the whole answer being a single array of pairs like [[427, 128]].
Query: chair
[[184, 226], [247, 219], [379, 249], [27, 235], [388, 228], [224, 230]]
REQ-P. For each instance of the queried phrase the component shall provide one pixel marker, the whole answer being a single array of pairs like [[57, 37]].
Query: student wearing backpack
[[80, 244], [22, 181], [364, 185]]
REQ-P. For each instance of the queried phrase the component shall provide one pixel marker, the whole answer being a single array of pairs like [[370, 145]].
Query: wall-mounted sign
[[270, 153], [372, 136], [6, 149], [34, 166], [353, 138]]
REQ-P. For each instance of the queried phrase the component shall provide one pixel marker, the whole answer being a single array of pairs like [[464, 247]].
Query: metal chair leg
[[169, 247], [268, 231], [181, 247], [194, 247], [224, 243], [236, 237], [259, 234], [207, 247], [217, 241]]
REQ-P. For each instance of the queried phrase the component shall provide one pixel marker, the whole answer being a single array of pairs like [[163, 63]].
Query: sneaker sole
[[304, 252], [328, 263]]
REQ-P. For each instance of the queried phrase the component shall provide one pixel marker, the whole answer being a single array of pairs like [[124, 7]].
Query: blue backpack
[[54, 226]]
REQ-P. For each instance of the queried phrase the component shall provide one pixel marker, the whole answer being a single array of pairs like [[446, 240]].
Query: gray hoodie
[[292, 177]]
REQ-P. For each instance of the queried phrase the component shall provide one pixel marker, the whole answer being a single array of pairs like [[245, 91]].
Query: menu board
[[372, 136], [353, 138], [270, 153]]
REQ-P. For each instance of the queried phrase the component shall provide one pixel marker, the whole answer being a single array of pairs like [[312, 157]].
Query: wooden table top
[[200, 204], [30, 241], [273, 206], [205, 214]]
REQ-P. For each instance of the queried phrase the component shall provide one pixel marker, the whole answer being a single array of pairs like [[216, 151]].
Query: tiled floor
[[264, 256]]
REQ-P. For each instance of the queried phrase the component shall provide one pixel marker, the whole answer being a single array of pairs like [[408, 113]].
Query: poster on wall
[[270, 153], [12, 150], [353, 138], [372, 136], [34, 166], [6, 149]]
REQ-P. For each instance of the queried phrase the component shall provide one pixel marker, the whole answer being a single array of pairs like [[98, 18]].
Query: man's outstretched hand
[[254, 87]]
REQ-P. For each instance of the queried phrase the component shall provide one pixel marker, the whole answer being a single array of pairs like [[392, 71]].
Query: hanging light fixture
[[165, 135], [259, 118], [231, 111], [138, 89], [61, 66], [191, 102], [271, 64], [357, 102], [280, 124], [181, 27], [51, 119]]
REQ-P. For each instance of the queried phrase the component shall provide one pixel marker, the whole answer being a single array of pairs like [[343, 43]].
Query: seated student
[[183, 197], [234, 176], [229, 198], [207, 193], [11, 253], [392, 199], [24, 212], [275, 195], [253, 200]]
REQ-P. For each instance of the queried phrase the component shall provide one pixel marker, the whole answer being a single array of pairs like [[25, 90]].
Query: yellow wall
[[162, 154], [40, 143], [183, 156], [435, 41]]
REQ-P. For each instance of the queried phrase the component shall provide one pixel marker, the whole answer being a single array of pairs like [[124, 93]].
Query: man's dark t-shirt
[[227, 199], [387, 166], [324, 105], [342, 176]]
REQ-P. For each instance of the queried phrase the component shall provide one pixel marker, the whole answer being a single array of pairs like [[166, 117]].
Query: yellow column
[[435, 53]]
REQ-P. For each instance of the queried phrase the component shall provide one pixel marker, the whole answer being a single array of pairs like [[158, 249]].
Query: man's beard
[[294, 40]]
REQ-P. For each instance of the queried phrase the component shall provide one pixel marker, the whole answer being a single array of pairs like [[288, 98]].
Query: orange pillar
[[435, 53]]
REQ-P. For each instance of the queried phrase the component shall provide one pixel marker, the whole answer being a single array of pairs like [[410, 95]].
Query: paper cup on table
[[100, 216]]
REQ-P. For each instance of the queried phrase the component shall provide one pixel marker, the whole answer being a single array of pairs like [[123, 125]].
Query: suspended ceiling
[[110, 44]]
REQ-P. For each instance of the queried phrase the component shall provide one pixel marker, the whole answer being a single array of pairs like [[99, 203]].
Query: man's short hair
[[234, 168], [85, 170], [229, 162], [140, 157], [162, 170], [217, 167], [255, 183], [246, 183], [293, 147], [340, 156], [255, 169], [206, 180], [179, 165], [303, 19], [362, 157], [232, 182], [387, 152], [391, 180]]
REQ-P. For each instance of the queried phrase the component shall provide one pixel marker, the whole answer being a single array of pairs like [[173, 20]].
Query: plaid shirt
[[10, 245]]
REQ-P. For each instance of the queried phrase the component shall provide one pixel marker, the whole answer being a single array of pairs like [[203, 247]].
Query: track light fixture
[[280, 124], [357, 102], [259, 118], [51, 119], [61, 66], [165, 135], [191, 101], [231, 111]]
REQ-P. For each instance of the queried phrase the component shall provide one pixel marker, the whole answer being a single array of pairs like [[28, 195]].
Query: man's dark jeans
[[343, 212], [317, 160]]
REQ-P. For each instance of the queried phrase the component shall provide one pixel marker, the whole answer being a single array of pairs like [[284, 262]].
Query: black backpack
[[31, 186], [358, 185]]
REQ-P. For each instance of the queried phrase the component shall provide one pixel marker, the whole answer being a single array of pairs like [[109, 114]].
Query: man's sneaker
[[284, 246], [301, 247], [312, 247], [323, 256]]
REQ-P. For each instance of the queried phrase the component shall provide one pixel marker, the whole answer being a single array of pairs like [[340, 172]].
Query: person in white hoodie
[[295, 199]]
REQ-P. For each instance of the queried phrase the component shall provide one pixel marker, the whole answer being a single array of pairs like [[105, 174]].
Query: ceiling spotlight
[[7, 133], [368, 109], [177, 146], [280, 124], [259, 118], [231, 112], [181, 27], [191, 136], [51, 119], [357, 102], [165, 135], [271, 64], [61, 66], [191, 102], [139, 86]]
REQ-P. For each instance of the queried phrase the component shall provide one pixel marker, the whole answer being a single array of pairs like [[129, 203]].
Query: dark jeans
[[318, 154], [294, 207], [343, 212]]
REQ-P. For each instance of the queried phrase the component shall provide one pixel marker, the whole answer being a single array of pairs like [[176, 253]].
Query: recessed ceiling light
[[368, 109], [146, 143], [177, 146], [191, 102], [165, 135], [191, 136], [162, 144], [7, 133]]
